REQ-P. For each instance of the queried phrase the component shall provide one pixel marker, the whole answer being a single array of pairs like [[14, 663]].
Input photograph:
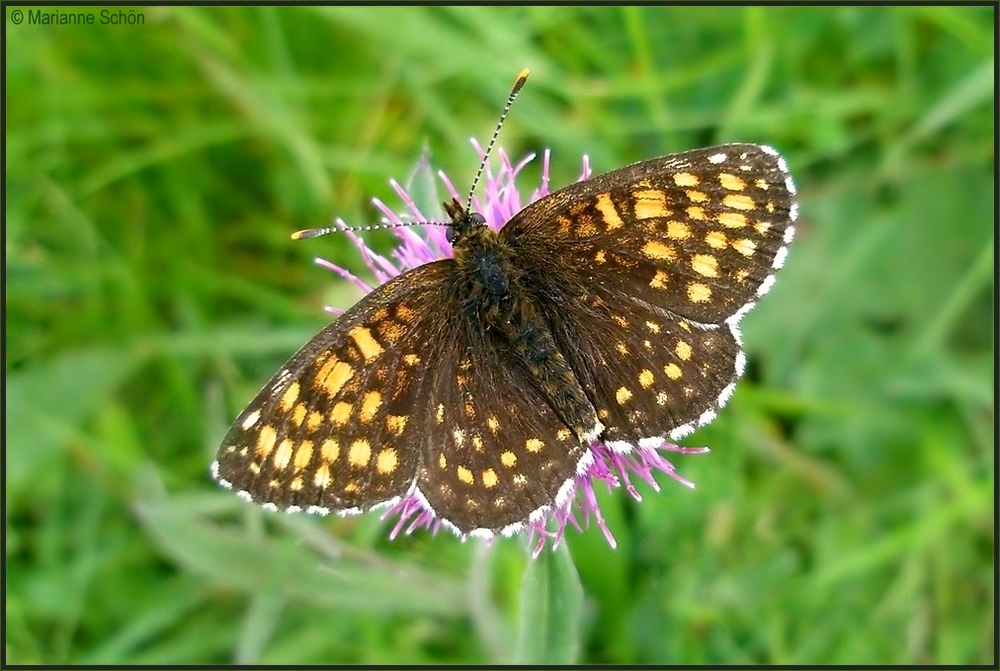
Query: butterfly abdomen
[[532, 338]]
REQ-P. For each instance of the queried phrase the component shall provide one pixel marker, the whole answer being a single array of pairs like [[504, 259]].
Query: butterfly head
[[463, 221]]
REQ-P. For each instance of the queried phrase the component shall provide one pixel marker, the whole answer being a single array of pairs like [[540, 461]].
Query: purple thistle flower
[[576, 503]]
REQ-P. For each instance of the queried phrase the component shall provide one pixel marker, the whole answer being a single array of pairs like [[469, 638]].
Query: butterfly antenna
[[316, 232], [518, 83], [340, 228]]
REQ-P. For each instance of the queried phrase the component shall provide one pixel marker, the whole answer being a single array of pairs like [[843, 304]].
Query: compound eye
[[462, 224]]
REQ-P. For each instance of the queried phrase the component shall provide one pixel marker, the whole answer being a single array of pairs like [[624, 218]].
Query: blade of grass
[[551, 602]]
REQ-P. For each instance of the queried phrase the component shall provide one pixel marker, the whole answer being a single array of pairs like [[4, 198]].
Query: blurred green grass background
[[154, 173]]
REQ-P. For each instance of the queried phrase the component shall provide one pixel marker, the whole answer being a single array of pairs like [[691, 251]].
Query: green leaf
[[47, 407], [551, 598], [280, 567]]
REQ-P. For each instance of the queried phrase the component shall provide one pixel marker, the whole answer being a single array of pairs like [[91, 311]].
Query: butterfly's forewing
[[335, 428], [698, 233]]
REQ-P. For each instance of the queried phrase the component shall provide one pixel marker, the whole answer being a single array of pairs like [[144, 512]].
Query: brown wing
[[403, 394], [334, 429], [496, 451], [644, 273]]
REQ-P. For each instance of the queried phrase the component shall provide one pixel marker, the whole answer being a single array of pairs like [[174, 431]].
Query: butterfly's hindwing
[[649, 375], [496, 449]]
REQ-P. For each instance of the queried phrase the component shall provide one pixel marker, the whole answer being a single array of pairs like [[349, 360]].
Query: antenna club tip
[[519, 82], [310, 233]]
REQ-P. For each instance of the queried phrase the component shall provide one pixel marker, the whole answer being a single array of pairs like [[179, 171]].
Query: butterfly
[[605, 312]]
